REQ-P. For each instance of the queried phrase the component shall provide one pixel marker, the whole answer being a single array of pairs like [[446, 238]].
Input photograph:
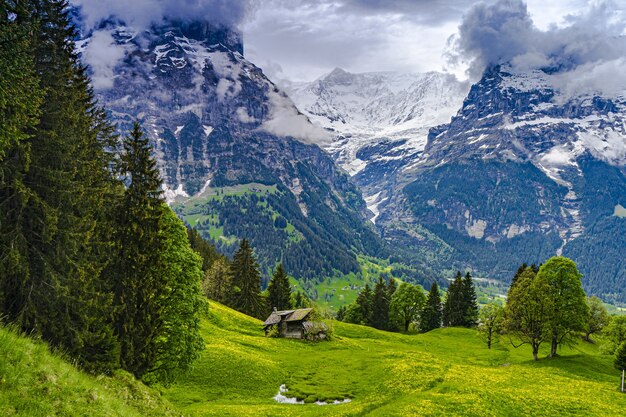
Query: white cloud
[[102, 54], [286, 120]]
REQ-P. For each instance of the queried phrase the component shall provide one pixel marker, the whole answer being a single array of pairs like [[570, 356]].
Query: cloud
[[504, 32], [286, 120], [101, 55], [141, 13]]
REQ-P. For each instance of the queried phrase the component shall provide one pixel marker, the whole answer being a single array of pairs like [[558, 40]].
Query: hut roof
[[287, 315]]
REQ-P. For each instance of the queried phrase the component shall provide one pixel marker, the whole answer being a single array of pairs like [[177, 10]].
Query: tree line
[[237, 283], [392, 307], [91, 257]]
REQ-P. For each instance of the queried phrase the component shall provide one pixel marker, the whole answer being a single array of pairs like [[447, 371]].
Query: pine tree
[[453, 308], [140, 244], [54, 190], [279, 290], [392, 286], [246, 281], [470, 306], [364, 302], [207, 251], [431, 315], [380, 305]]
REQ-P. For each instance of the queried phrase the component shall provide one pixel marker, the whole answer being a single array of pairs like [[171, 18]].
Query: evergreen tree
[[432, 314], [470, 306], [365, 308], [246, 281], [380, 305], [300, 300], [139, 283], [279, 290], [453, 313], [392, 287], [207, 251], [341, 313], [54, 191]]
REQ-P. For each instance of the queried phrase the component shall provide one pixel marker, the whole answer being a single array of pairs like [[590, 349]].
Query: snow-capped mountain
[[216, 121], [380, 120], [525, 170]]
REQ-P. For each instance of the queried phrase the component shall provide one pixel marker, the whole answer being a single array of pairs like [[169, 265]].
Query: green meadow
[[442, 373]]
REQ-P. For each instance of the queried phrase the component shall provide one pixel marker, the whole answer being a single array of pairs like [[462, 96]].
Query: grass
[[35, 382], [441, 373], [444, 372]]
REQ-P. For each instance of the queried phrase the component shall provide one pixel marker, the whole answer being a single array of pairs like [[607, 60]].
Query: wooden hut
[[294, 324]]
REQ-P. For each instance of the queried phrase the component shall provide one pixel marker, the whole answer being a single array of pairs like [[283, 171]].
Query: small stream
[[283, 399]]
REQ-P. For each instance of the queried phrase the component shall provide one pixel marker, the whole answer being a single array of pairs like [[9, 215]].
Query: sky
[[300, 40]]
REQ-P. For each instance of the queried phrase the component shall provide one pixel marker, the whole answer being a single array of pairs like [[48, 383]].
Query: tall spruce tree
[[380, 305], [246, 281], [279, 290], [139, 283], [432, 314], [453, 309], [54, 189], [470, 305]]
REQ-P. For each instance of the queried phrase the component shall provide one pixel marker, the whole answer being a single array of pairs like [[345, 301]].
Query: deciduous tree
[[407, 304]]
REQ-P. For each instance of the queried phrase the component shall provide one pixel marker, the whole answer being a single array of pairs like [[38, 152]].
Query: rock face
[[216, 121], [380, 120], [523, 170]]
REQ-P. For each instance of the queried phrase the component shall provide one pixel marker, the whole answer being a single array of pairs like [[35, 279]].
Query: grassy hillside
[[445, 372], [34, 382]]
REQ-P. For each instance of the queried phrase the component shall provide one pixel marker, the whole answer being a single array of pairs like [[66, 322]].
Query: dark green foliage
[[454, 306], [490, 190], [341, 313], [300, 300], [470, 306], [280, 222], [392, 287], [246, 296], [20, 95], [205, 249], [380, 305], [54, 190], [141, 242], [432, 313], [279, 290]]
